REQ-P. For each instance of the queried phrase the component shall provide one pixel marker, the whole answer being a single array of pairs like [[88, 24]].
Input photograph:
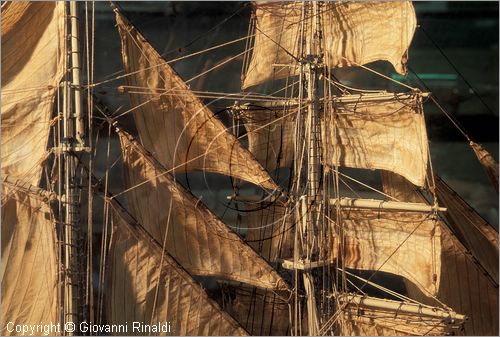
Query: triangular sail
[[489, 163], [147, 285], [173, 123], [32, 66], [270, 231], [477, 235], [464, 284], [29, 264], [382, 132], [353, 33], [261, 312], [196, 237]]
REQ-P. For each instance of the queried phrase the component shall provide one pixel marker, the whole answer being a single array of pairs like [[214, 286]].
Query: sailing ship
[[306, 256]]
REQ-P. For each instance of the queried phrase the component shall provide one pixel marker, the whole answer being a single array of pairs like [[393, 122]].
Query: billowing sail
[[197, 239], [382, 132], [32, 66], [353, 33], [173, 123], [386, 241], [489, 163], [147, 285], [477, 235], [29, 260], [464, 283]]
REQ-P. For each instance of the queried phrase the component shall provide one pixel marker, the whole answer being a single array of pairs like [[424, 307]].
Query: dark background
[[454, 52]]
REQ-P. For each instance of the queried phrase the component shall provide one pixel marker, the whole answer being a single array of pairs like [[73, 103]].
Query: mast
[[70, 146], [312, 63]]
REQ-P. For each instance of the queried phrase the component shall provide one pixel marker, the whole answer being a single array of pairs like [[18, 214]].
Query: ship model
[[306, 256]]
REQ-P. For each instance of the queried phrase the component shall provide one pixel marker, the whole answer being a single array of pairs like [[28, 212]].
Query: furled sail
[[386, 241], [361, 320], [32, 66], [195, 236], [382, 132], [173, 123], [147, 285], [489, 163], [353, 33], [29, 258], [464, 284]]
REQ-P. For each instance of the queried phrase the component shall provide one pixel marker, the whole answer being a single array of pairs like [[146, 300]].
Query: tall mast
[[311, 204], [70, 146]]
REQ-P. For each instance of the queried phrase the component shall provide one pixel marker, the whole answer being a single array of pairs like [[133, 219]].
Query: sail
[[464, 284], [173, 123], [261, 312], [477, 235], [32, 66], [385, 132], [29, 259], [147, 285], [270, 231], [195, 236], [489, 163], [386, 241], [353, 33], [366, 321]]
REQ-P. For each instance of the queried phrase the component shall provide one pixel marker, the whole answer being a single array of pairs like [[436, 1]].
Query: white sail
[[464, 283], [385, 132], [270, 231], [147, 285], [32, 66], [201, 242], [387, 241], [261, 312], [29, 264], [353, 33], [173, 123], [478, 236]]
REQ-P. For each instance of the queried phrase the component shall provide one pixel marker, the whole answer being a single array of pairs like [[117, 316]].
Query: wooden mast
[[71, 145]]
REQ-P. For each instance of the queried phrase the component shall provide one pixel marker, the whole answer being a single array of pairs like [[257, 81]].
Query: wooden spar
[[348, 203], [75, 73], [399, 307], [385, 205], [72, 144], [352, 98]]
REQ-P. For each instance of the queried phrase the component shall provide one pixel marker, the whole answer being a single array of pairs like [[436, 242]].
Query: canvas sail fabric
[[270, 231], [173, 124], [489, 163], [477, 235], [29, 259], [353, 33], [271, 135], [464, 284], [147, 285], [32, 66], [405, 244], [261, 312], [387, 133], [371, 322], [197, 239]]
